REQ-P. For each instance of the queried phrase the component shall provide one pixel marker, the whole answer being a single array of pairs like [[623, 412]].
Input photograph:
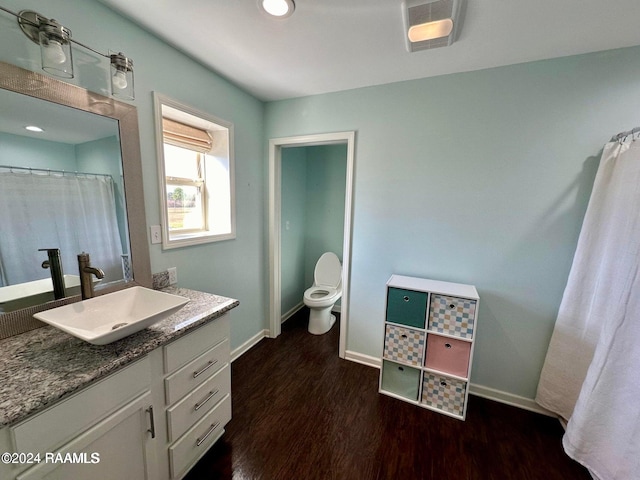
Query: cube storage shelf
[[429, 335]]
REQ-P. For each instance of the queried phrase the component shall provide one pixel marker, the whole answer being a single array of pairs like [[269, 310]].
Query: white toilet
[[325, 292]]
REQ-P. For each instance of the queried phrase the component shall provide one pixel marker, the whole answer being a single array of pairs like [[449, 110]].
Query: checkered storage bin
[[404, 345], [444, 393], [452, 315]]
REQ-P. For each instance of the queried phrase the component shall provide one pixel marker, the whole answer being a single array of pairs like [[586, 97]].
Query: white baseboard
[[286, 316], [508, 399], [246, 346], [474, 389], [367, 360]]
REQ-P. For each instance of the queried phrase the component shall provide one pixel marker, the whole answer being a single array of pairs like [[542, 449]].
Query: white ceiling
[[332, 45]]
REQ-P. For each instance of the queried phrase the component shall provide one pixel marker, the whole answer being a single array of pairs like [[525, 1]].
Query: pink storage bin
[[448, 355]]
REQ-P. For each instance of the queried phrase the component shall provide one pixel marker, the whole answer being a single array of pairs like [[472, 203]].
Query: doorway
[[275, 219]]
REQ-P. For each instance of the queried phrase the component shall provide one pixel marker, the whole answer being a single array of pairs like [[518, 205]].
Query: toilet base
[[320, 320]]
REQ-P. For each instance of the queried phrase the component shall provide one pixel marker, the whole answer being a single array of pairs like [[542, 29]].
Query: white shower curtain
[[591, 375], [72, 213]]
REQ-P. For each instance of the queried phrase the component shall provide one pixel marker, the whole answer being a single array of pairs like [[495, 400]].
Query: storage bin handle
[[405, 298], [447, 345]]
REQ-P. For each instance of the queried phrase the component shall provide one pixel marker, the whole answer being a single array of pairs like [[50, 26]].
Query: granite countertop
[[40, 367]]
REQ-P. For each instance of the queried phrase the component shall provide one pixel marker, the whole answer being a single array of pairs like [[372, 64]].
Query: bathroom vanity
[[145, 407]]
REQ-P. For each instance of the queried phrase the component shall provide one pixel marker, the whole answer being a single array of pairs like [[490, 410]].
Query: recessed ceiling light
[[278, 8], [33, 128]]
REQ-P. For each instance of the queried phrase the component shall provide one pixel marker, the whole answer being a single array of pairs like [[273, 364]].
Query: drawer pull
[[443, 383], [447, 345], [212, 394], [403, 335], [152, 429], [405, 298], [210, 364], [401, 369], [199, 441]]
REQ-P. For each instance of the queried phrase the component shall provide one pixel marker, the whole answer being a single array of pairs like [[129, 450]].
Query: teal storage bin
[[400, 380], [406, 307]]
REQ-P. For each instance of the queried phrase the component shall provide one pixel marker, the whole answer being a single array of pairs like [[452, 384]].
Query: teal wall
[[479, 178], [293, 228], [312, 210], [326, 183], [22, 151], [234, 268]]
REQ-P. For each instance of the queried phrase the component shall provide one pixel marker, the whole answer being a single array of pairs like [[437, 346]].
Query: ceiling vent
[[431, 24]]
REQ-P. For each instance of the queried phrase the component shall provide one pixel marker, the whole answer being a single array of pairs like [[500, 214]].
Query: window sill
[[185, 240]]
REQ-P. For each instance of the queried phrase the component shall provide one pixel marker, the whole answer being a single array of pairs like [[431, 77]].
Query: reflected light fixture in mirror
[[278, 8], [57, 58]]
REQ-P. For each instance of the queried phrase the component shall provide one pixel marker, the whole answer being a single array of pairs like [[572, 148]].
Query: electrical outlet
[[173, 275], [156, 234]]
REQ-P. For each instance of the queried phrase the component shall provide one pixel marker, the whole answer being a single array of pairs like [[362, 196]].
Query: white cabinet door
[[120, 447]]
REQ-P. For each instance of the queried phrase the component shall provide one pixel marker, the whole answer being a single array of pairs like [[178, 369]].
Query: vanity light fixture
[[278, 8], [431, 23], [57, 58]]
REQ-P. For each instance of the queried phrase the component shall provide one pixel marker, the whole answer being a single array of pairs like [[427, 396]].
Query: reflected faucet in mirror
[[86, 270], [54, 264]]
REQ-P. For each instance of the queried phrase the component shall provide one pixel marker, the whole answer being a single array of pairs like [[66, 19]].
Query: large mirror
[[75, 186]]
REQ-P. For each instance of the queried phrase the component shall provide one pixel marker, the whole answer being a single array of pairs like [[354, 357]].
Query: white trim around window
[[215, 231]]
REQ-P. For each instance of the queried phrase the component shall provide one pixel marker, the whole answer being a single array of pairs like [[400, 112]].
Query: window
[[195, 165]]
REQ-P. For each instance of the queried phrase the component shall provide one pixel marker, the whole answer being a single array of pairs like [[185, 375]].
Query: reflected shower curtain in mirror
[[74, 213], [591, 375]]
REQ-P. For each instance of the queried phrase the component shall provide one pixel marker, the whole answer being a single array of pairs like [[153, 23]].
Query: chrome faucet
[[86, 270], [54, 264]]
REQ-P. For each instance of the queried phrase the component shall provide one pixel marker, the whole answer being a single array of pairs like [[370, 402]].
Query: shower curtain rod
[[50, 171], [623, 135]]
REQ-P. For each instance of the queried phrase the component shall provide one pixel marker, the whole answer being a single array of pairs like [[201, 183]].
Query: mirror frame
[[36, 85]]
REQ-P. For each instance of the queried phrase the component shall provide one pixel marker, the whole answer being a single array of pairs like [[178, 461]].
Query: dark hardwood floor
[[300, 412]]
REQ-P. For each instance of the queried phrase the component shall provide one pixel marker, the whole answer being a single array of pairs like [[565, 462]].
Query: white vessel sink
[[113, 316]]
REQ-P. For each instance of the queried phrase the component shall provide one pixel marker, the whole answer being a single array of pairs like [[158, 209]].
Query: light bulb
[[119, 79], [53, 53], [278, 8]]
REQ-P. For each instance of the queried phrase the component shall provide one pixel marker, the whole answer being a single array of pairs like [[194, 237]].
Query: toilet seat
[[321, 296]]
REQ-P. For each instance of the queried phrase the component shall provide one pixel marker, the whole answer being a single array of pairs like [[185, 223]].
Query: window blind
[[186, 136]]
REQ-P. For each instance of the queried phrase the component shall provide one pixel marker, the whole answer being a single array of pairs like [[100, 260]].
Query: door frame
[[275, 213]]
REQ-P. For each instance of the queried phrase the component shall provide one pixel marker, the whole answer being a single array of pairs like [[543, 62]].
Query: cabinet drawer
[[404, 345], [178, 384], [199, 438], [194, 406], [400, 380], [406, 307], [188, 347], [70, 417], [452, 315], [448, 355], [444, 393]]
